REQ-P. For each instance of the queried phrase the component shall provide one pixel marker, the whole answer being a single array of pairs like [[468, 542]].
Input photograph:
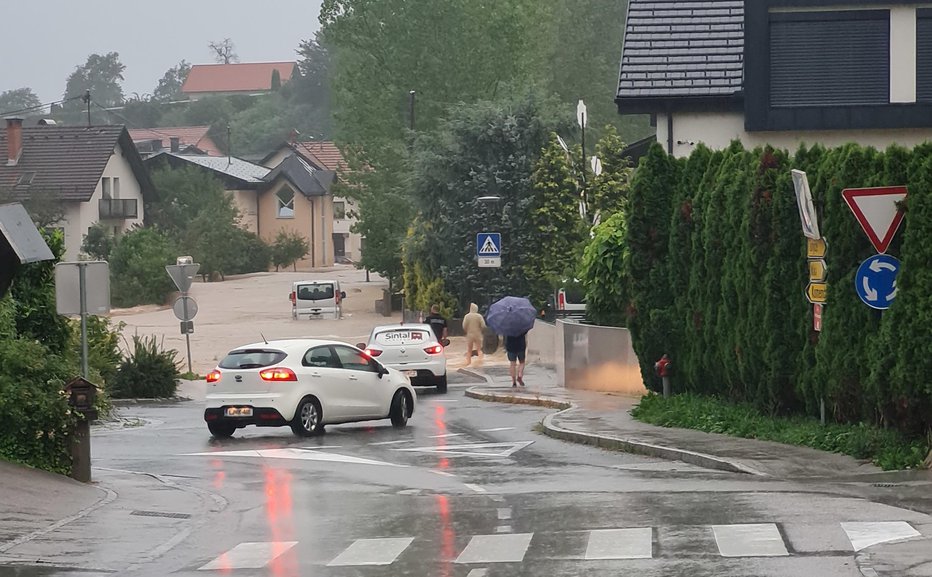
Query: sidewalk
[[603, 419]]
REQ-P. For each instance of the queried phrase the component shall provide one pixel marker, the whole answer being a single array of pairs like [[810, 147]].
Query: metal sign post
[[185, 307], [82, 288]]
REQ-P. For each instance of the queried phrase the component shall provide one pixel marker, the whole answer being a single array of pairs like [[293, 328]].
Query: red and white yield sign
[[876, 209]]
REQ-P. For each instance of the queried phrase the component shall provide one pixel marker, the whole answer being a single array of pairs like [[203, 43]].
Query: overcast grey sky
[[42, 42]]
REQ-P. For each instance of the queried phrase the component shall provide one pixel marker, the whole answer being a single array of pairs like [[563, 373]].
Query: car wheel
[[401, 409], [307, 418], [442, 384], [221, 430]]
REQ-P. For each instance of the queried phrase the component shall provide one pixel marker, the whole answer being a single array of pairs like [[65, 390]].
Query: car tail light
[[291, 297], [434, 350], [278, 374], [373, 352], [214, 376], [561, 300]]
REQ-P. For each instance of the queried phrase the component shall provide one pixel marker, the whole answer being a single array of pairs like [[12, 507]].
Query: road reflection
[[279, 513], [447, 536]]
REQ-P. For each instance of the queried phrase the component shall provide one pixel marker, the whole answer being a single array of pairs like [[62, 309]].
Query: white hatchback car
[[412, 349], [306, 384]]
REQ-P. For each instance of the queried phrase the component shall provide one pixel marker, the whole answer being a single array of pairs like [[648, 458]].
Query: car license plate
[[239, 411], [410, 373]]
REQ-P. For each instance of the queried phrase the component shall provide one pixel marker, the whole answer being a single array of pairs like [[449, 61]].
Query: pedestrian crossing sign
[[489, 244]]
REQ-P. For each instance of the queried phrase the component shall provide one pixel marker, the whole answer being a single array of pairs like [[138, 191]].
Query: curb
[[475, 374], [147, 401], [609, 442]]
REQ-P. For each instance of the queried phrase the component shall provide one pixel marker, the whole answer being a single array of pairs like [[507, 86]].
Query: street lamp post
[[582, 119]]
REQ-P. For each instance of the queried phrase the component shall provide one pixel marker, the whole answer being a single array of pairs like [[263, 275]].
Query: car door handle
[[316, 375], [353, 378]]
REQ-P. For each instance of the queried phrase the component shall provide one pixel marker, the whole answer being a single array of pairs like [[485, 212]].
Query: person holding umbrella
[[516, 349], [513, 317]]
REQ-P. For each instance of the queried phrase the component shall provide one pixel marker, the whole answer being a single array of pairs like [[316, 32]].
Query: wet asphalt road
[[468, 489]]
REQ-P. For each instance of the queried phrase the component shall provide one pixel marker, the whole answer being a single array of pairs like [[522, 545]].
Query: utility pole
[[229, 145], [411, 100]]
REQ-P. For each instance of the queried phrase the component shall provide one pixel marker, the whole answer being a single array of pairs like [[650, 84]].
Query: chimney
[[175, 143], [14, 140]]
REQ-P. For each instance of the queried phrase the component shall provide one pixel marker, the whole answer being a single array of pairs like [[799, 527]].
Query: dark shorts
[[512, 356]]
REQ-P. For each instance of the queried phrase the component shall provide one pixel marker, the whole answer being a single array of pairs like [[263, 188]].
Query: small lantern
[[82, 396]]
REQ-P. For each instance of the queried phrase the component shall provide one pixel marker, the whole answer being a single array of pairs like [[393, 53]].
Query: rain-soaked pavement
[[469, 489]]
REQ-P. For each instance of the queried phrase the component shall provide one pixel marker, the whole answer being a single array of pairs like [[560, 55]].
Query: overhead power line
[[39, 106]]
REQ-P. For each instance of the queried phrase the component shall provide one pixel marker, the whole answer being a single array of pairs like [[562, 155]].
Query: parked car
[[412, 349], [304, 384], [321, 299]]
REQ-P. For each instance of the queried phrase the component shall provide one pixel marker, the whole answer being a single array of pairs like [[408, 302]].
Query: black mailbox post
[[82, 396]]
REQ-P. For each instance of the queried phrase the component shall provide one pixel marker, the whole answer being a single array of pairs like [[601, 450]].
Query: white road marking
[[392, 442], [445, 435], [298, 454], [495, 430], [372, 552], [504, 513], [475, 488], [634, 543], [444, 473], [478, 573], [496, 548], [863, 535], [322, 447], [504, 529], [499, 450], [249, 556], [749, 540]]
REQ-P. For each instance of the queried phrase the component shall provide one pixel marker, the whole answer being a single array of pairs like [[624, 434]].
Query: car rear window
[[402, 337], [315, 291], [575, 295], [252, 359]]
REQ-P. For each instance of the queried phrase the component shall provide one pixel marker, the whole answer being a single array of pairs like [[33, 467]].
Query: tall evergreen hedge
[[715, 275]]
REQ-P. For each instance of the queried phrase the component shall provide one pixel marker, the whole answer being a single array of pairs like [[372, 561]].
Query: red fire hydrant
[[663, 367]]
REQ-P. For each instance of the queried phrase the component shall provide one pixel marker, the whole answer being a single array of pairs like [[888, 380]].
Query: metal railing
[[118, 208]]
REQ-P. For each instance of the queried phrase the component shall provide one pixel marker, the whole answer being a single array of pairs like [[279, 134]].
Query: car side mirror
[[342, 294], [445, 342], [361, 346], [382, 371]]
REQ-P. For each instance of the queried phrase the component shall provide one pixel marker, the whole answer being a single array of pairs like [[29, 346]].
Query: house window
[[830, 58], [26, 178], [285, 203], [339, 210], [105, 187], [116, 187]]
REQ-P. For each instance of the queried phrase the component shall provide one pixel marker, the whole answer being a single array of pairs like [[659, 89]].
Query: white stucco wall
[[717, 130], [903, 54], [247, 203], [80, 216]]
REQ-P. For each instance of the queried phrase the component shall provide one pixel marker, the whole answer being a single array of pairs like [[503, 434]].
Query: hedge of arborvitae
[[717, 270]]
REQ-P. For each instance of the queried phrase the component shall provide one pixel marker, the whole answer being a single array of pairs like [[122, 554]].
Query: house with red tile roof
[[188, 139], [229, 79], [325, 155], [95, 172]]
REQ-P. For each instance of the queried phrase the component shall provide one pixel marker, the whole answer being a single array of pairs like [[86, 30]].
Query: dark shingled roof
[[68, 160], [308, 180], [682, 48]]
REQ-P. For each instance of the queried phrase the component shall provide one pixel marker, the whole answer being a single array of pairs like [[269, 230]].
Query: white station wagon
[[305, 384]]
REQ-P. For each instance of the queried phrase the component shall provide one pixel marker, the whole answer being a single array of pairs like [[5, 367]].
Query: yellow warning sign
[[817, 270], [815, 247]]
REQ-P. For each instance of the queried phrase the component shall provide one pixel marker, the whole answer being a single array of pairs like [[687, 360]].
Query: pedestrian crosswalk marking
[[372, 552], [863, 535], [634, 543], [620, 544], [749, 540], [502, 548], [249, 556]]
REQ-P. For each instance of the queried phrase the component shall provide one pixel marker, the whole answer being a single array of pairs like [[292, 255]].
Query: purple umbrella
[[511, 316]]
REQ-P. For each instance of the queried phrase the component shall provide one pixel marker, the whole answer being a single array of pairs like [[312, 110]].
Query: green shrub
[[149, 371], [289, 248], [137, 268], [35, 420], [886, 448]]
